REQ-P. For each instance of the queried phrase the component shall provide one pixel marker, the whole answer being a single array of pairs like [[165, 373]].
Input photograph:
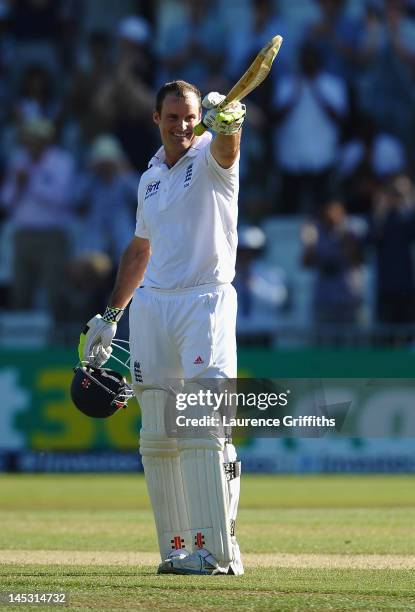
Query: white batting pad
[[163, 475], [212, 500], [234, 489]]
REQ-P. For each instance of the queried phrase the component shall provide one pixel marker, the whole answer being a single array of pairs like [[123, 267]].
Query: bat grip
[[199, 129]]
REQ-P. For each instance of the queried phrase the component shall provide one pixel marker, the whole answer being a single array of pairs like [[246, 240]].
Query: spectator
[[194, 49], [6, 58], [367, 158], [36, 26], [308, 112], [242, 49], [108, 196], [86, 286], [387, 87], [36, 98], [264, 23], [338, 38], [89, 77], [35, 194], [393, 234], [126, 100], [333, 247], [261, 286], [71, 20]]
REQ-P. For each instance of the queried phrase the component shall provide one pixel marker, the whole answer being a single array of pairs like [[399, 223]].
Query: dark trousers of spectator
[[304, 192], [337, 313], [40, 257], [393, 308]]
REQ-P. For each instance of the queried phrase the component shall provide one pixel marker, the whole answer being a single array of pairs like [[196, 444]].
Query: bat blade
[[256, 73]]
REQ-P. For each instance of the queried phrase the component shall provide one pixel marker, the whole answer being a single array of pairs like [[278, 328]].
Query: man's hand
[[95, 341], [229, 120]]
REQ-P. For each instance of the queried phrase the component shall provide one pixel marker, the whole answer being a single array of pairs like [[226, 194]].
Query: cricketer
[[178, 270]]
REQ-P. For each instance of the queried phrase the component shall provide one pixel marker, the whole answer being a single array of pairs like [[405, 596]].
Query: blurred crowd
[[329, 137]]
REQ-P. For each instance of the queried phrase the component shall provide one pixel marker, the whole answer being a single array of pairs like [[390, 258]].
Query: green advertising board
[[37, 412]]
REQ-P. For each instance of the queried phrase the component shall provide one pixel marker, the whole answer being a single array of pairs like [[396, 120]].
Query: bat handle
[[199, 129]]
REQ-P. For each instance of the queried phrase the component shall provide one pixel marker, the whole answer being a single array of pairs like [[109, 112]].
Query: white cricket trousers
[[186, 333]]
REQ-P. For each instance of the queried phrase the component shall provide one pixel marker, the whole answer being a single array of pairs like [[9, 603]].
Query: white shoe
[[199, 563]]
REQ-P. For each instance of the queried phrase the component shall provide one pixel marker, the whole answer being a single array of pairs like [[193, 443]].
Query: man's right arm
[[95, 341], [131, 271]]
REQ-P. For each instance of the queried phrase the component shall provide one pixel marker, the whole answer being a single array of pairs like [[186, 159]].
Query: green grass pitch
[[309, 543]]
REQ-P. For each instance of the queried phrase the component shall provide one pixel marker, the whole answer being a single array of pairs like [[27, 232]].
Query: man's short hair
[[177, 88]]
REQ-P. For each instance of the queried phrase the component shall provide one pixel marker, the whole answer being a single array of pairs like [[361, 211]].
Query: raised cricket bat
[[253, 77]]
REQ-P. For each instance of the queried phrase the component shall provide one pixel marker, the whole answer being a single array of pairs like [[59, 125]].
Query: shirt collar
[[160, 157]]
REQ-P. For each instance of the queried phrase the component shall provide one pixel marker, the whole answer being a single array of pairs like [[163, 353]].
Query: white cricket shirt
[[189, 215]]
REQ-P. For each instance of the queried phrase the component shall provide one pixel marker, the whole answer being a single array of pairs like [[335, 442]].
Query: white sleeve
[[217, 170], [140, 227], [225, 181]]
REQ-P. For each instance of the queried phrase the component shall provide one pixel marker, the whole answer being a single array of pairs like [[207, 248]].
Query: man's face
[[335, 213], [176, 122]]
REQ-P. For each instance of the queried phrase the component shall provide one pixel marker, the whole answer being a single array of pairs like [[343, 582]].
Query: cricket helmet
[[99, 392]]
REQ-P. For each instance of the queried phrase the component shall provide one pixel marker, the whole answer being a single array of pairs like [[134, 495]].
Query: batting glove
[[229, 120], [212, 99], [95, 341]]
